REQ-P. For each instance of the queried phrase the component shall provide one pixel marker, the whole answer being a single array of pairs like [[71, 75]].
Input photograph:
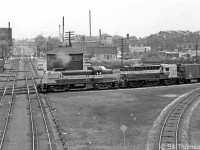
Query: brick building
[[67, 58]]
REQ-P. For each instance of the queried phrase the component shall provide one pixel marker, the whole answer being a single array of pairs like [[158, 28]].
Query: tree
[[41, 43], [53, 42], [134, 38], [5, 49], [104, 35], [169, 39], [115, 40]]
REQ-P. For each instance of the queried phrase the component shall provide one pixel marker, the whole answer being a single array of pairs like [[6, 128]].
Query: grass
[[92, 120]]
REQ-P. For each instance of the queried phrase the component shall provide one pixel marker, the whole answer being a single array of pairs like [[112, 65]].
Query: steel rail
[[178, 120], [9, 113], [6, 85], [34, 136], [41, 108]]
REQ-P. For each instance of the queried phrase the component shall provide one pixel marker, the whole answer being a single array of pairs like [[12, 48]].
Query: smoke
[[65, 59]]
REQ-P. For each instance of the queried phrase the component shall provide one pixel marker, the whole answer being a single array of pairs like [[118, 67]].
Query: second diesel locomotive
[[129, 76]]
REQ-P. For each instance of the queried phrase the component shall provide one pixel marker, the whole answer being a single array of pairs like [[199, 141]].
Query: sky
[[139, 18]]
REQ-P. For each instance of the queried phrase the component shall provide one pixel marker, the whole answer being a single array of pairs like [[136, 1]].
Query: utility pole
[[122, 43], [197, 41], [69, 37]]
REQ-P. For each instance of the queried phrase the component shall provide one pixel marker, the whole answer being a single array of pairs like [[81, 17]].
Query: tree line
[[163, 40], [168, 40], [45, 44]]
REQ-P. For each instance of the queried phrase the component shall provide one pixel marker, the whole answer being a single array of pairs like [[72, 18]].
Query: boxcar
[[189, 72]]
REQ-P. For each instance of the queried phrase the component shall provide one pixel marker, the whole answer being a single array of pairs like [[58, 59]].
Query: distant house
[[107, 40], [172, 54], [187, 46], [102, 52], [139, 49]]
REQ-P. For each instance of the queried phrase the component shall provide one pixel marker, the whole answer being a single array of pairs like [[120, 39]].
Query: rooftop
[[101, 50], [66, 50]]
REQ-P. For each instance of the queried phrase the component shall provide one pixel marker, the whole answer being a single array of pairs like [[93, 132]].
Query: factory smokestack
[[127, 42], [90, 22], [63, 36], [127, 36], [59, 32], [100, 34], [8, 24]]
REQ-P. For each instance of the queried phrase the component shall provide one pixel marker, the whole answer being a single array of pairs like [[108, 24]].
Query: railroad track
[[169, 135], [41, 138], [18, 90], [3, 90], [40, 132], [10, 103]]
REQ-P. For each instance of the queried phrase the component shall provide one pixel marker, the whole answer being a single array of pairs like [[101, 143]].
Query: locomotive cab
[[170, 70], [54, 75], [51, 76]]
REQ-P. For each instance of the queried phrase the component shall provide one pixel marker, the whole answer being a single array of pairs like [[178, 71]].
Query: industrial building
[[65, 58], [6, 36], [102, 52], [139, 49]]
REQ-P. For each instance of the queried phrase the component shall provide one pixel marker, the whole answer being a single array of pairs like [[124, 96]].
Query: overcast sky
[[140, 18]]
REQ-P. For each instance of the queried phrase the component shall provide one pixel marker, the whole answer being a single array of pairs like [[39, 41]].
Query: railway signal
[[69, 36]]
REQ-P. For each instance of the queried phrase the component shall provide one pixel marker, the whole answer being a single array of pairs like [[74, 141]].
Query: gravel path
[[19, 124]]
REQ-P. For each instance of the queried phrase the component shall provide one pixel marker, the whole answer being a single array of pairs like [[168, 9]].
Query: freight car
[[94, 78], [189, 72]]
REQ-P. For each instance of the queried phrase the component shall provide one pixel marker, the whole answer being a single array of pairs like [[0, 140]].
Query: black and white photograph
[[99, 75]]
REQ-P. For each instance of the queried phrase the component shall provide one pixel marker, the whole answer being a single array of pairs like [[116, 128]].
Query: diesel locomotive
[[94, 78]]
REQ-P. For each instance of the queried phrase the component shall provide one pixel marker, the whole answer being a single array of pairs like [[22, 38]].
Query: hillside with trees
[[167, 40]]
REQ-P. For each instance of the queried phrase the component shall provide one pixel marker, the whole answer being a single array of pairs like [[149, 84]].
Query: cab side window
[[166, 69]]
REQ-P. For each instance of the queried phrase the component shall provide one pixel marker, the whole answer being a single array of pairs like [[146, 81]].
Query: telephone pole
[[197, 41], [69, 37], [122, 43]]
